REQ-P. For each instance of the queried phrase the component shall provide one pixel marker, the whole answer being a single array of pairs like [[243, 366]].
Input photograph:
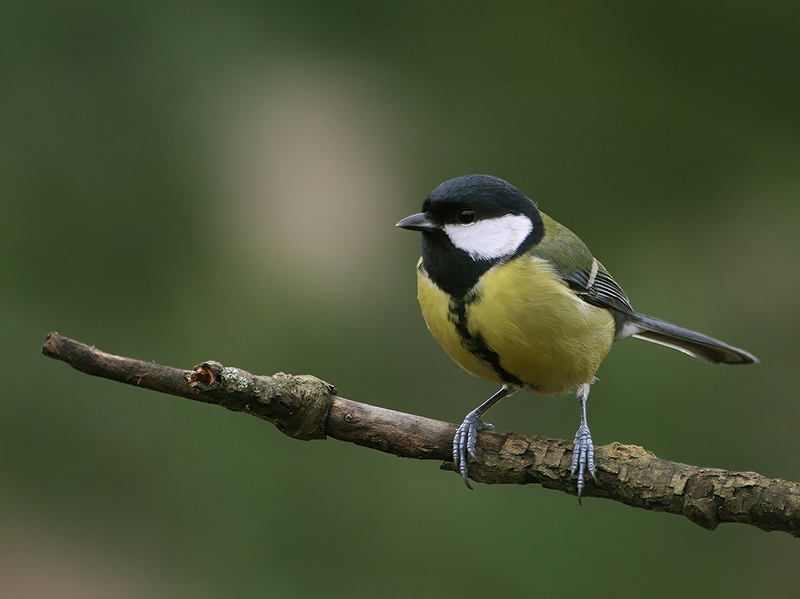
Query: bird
[[516, 298]]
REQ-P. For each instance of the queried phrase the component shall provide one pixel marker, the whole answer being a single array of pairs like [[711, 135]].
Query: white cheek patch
[[491, 238]]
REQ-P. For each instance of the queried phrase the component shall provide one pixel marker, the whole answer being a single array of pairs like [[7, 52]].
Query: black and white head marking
[[474, 223]]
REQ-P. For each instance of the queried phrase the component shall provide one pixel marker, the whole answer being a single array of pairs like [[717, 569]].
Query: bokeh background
[[182, 181]]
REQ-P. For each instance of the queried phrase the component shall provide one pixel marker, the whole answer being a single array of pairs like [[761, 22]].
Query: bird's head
[[484, 217]]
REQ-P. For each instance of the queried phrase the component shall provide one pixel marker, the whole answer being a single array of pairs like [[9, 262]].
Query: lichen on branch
[[305, 407]]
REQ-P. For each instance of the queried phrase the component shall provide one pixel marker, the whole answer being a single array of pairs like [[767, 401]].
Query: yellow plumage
[[542, 332]]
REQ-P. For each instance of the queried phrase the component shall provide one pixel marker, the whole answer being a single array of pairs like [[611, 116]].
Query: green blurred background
[[183, 181]]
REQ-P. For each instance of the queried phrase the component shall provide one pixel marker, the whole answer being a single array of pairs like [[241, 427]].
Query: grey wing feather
[[605, 292], [572, 261], [598, 288], [601, 290]]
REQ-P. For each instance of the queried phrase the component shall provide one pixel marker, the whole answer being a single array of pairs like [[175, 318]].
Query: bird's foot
[[582, 458], [465, 440]]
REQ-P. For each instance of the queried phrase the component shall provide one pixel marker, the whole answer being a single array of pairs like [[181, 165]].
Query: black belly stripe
[[476, 344]]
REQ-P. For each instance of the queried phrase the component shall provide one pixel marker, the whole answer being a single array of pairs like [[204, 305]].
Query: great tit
[[516, 298]]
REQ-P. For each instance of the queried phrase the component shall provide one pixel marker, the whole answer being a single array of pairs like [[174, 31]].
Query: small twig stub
[[305, 407]]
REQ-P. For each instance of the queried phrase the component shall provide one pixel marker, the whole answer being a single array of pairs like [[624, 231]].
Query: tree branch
[[304, 407]]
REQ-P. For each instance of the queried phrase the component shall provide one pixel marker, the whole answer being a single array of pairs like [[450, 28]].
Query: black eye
[[466, 217]]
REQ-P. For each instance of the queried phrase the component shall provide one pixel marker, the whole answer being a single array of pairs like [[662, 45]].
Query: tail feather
[[689, 342]]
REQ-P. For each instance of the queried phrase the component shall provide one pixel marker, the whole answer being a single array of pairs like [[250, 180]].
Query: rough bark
[[305, 407]]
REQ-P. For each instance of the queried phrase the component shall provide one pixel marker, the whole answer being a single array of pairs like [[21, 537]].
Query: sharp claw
[[464, 443], [582, 458]]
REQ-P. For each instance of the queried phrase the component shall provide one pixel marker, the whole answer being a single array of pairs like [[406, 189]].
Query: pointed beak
[[417, 222]]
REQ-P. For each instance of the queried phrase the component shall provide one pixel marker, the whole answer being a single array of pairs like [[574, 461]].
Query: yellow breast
[[542, 333]]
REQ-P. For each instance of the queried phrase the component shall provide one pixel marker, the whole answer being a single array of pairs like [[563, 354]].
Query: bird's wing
[[574, 263], [603, 291]]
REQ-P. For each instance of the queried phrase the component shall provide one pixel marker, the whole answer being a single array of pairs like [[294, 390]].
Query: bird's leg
[[467, 434], [583, 450]]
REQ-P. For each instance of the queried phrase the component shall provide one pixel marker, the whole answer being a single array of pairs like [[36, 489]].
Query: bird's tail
[[689, 342]]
